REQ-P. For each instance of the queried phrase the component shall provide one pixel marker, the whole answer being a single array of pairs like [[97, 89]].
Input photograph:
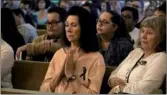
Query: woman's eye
[[66, 25]]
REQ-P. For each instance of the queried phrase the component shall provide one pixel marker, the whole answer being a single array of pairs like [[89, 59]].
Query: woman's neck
[[42, 10], [74, 45], [148, 53], [106, 38]]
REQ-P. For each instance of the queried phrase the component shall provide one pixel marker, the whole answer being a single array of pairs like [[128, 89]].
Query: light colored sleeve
[[25, 33], [45, 87], [7, 60], [152, 78], [35, 49], [54, 73], [114, 73], [96, 74]]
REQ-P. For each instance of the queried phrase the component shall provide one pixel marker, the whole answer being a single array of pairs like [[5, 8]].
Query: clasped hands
[[115, 82], [70, 62]]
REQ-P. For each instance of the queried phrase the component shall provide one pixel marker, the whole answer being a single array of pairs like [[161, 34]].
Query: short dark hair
[[162, 7], [134, 11], [27, 2], [18, 12], [119, 21], [48, 3], [62, 12], [87, 41]]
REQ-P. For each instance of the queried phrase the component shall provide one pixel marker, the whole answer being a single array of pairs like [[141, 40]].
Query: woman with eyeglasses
[[78, 67], [114, 40]]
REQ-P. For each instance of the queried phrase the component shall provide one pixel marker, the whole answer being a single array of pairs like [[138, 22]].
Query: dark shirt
[[117, 50]]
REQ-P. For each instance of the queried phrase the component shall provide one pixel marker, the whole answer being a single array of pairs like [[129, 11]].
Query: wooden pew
[[28, 74], [41, 32], [105, 88], [18, 91]]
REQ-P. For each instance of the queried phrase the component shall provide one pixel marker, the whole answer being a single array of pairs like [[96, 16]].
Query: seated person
[[78, 67], [131, 16], [114, 40], [27, 30], [43, 47], [144, 69], [7, 61], [161, 10]]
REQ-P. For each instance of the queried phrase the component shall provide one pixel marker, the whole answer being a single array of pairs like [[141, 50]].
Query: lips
[[144, 42], [99, 29]]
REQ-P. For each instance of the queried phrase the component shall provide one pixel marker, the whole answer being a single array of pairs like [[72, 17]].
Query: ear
[[135, 22], [115, 27]]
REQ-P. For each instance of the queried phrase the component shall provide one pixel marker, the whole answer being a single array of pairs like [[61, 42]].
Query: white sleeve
[[152, 78], [7, 60], [114, 73]]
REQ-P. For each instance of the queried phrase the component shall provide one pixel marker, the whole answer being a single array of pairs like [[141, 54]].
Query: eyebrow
[[71, 22], [103, 19]]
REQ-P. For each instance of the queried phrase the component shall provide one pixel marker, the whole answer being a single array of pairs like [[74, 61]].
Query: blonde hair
[[158, 24]]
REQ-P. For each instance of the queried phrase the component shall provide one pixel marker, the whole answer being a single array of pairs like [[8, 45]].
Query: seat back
[[28, 74], [41, 31], [105, 87], [18, 91], [163, 86]]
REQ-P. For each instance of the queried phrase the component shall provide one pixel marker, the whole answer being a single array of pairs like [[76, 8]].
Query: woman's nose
[[68, 29], [144, 35]]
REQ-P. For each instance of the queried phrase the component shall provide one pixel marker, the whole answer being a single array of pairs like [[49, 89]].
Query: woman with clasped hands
[[143, 70], [78, 67]]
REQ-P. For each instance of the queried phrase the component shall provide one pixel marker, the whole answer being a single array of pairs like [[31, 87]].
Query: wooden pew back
[[28, 74], [41, 32], [18, 91], [105, 87]]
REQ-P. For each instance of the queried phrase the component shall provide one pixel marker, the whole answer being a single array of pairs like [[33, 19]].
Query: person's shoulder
[[60, 51], [95, 55], [123, 41], [98, 59], [161, 55], [136, 52], [6, 48]]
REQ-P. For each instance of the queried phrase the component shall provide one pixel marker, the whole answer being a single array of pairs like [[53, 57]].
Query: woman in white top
[[7, 61], [143, 71]]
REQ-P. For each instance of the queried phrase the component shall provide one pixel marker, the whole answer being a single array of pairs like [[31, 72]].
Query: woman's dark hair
[[47, 2], [9, 30], [88, 41], [119, 21], [92, 8]]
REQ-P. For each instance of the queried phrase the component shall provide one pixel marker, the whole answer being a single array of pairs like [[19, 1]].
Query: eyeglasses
[[103, 22], [53, 23], [127, 17]]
